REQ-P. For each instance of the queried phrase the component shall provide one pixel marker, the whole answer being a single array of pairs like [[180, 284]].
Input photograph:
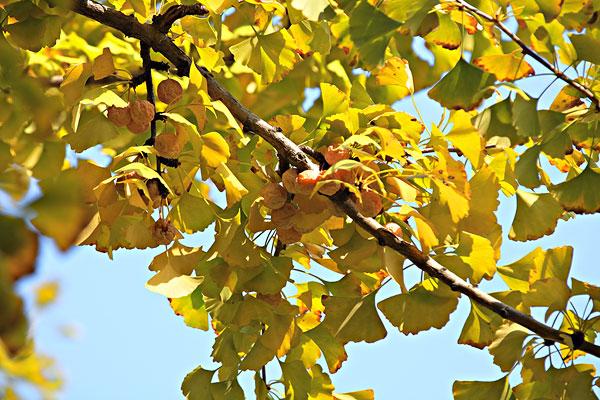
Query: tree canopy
[[199, 106]]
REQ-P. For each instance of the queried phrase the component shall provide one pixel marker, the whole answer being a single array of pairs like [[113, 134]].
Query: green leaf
[[427, 305], [271, 55], [536, 216], [197, 384], [35, 32], [507, 347], [525, 117], [371, 29], [353, 319], [192, 309], [572, 382], [526, 168], [480, 327], [296, 379], [464, 87], [332, 348], [478, 390], [587, 47], [191, 213], [579, 194]]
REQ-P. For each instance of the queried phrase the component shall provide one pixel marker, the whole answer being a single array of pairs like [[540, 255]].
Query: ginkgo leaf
[[477, 252], [368, 394], [508, 344], [333, 349], [479, 390], [579, 194], [334, 100], [480, 327], [427, 305], [464, 87], [271, 55], [586, 47], [215, 149], [296, 380], [525, 117], [191, 213], [466, 137], [536, 216], [103, 65], [352, 319], [311, 8], [526, 168], [33, 33], [196, 385], [396, 72], [170, 283], [572, 382], [447, 34], [234, 188], [191, 308], [567, 98], [370, 29], [538, 264], [506, 67]]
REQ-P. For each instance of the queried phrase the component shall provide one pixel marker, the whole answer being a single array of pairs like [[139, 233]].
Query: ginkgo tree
[[190, 98]]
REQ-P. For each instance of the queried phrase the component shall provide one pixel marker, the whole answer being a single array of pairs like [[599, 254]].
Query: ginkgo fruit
[[163, 231], [141, 111], [119, 116], [328, 188], [370, 203], [333, 154], [138, 127], [167, 145], [169, 91], [274, 196]]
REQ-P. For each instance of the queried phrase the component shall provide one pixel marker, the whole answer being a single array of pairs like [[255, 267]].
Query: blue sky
[[130, 345]]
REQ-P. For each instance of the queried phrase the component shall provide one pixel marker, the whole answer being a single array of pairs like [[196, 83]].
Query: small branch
[[587, 92], [164, 21], [147, 74]]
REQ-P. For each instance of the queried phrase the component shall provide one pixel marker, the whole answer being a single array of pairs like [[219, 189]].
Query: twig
[[529, 51], [164, 21]]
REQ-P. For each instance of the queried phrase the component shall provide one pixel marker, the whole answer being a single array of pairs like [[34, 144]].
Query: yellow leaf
[[103, 65], [215, 149], [233, 187], [506, 67]]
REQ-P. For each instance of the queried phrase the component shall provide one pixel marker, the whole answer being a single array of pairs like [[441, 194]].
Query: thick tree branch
[[587, 92], [130, 26], [294, 155]]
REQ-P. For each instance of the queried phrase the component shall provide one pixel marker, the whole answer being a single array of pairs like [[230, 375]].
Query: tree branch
[[164, 21], [128, 25], [293, 154], [587, 92]]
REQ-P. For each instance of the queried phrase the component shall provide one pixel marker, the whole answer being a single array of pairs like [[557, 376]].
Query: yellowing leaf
[[353, 319], [447, 34], [271, 56], [536, 216], [427, 305], [464, 87], [103, 65], [215, 149], [466, 138], [480, 327], [507, 346], [191, 213], [192, 309], [579, 194], [333, 349], [311, 8], [334, 100], [477, 390], [233, 187], [396, 72], [506, 67]]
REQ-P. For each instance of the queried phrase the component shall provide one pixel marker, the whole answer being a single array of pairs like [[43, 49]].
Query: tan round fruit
[[167, 145], [163, 231], [288, 235], [138, 127], [141, 111], [328, 188], [333, 154], [282, 217], [306, 181], [344, 175], [289, 180], [274, 195], [370, 204], [119, 115], [169, 91]]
